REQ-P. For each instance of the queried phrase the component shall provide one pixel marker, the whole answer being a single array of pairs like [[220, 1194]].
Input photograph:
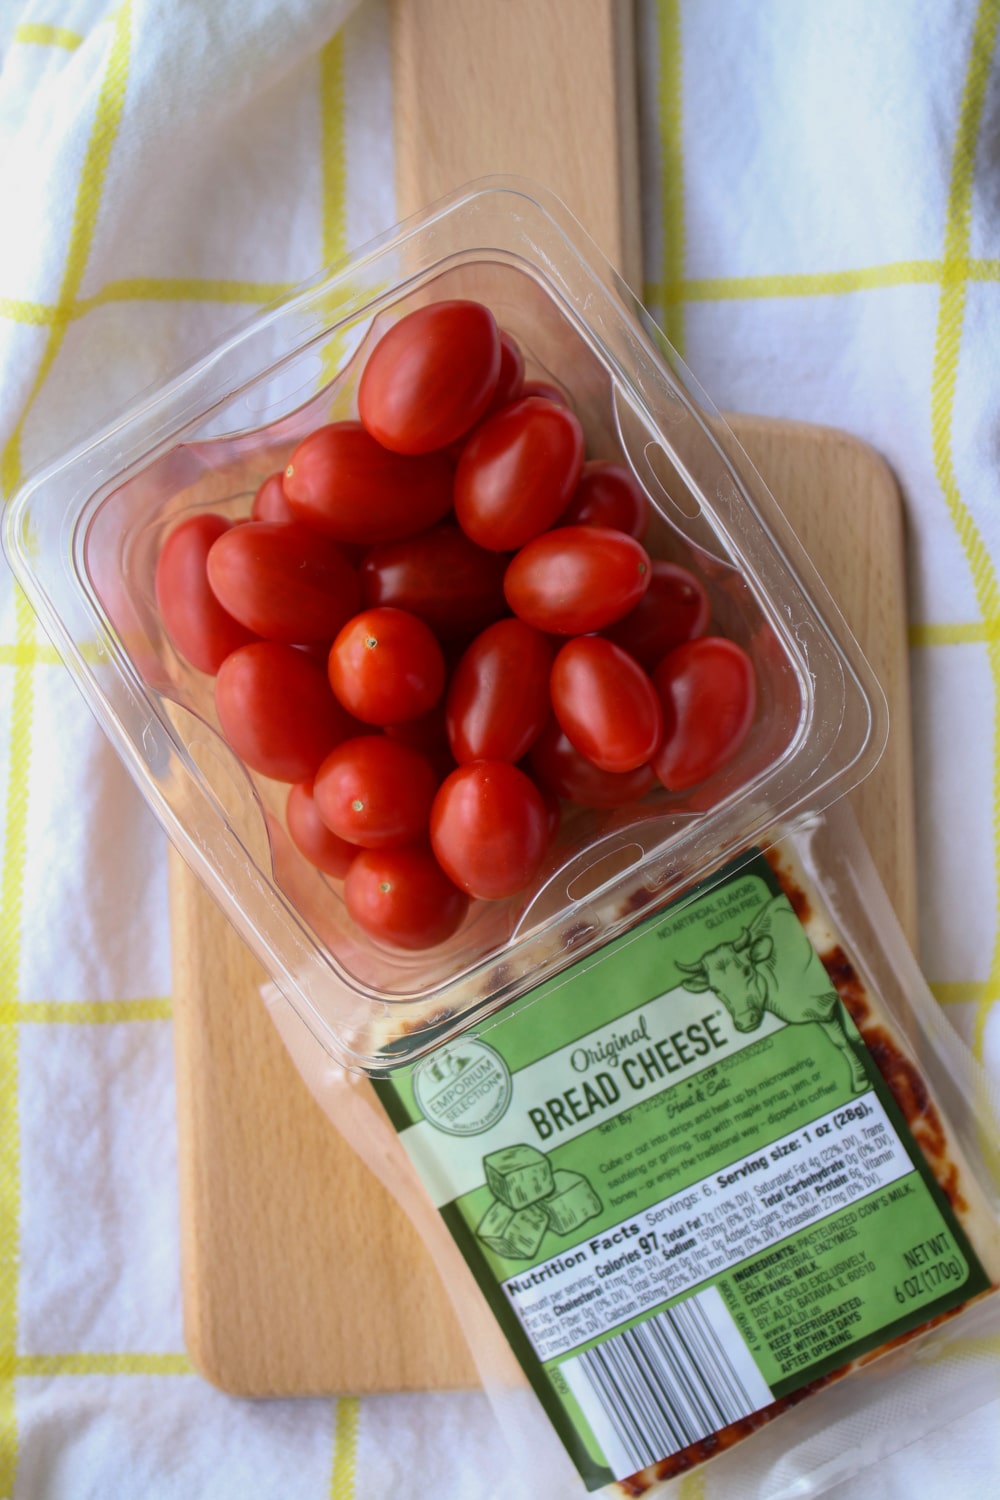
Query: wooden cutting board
[[300, 1274]]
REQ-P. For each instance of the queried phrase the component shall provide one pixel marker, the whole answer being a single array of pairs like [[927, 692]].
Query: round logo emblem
[[463, 1089]]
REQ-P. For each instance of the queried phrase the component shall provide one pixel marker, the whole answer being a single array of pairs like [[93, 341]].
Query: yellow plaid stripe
[[345, 1448], [84, 1012], [47, 1365], [958, 991], [951, 317], [33, 34], [977, 632], [668, 293], [671, 73], [110, 104], [11, 885]]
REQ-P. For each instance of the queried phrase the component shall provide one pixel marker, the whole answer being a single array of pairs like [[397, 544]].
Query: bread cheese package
[[721, 1190]]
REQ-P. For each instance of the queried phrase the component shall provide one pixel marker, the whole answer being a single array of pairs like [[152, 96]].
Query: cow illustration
[[773, 966]]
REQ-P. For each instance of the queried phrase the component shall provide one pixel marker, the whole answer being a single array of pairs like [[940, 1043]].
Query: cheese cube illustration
[[572, 1201], [514, 1233], [518, 1175]]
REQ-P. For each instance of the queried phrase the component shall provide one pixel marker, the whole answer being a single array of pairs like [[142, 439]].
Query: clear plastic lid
[[84, 535]]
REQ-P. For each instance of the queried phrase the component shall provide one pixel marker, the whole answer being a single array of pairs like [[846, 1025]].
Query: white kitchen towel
[[822, 207]]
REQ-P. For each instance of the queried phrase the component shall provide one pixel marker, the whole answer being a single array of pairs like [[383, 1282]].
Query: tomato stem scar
[[371, 641]]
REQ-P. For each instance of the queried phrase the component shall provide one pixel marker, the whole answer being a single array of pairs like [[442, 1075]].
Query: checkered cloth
[[822, 206]]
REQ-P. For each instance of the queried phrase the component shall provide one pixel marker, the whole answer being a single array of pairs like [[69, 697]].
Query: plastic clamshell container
[[83, 537]]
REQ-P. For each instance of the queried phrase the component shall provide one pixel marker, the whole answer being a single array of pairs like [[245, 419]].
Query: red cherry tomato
[[403, 897], [556, 764], [312, 837], [709, 694], [546, 390], [608, 495], [489, 829], [440, 575], [674, 609], [430, 377], [277, 711], [270, 503], [345, 484], [375, 792], [577, 578], [386, 666], [498, 697], [511, 378], [517, 473], [284, 581], [198, 626], [606, 704]]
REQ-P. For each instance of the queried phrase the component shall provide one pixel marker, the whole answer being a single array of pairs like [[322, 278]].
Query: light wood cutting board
[[300, 1273]]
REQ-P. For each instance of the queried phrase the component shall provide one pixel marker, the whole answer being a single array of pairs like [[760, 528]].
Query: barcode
[[670, 1381]]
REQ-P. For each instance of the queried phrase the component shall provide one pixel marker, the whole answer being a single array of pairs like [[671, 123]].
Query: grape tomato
[[557, 764], [431, 376], [606, 704], [346, 485], [311, 836], [674, 609], [489, 829], [270, 502], [403, 897], [708, 691], [277, 711], [284, 581], [199, 627], [440, 575], [517, 473], [608, 495], [375, 792], [386, 666], [498, 697], [576, 579]]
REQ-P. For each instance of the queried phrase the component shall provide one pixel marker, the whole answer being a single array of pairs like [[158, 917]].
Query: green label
[[680, 1180]]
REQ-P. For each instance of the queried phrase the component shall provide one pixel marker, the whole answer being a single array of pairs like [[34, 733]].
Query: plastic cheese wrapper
[[732, 1160]]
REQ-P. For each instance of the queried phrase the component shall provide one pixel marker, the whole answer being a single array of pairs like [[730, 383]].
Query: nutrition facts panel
[[626, 1270]]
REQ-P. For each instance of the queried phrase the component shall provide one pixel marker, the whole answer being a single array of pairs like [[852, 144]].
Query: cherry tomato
[[709, 694], [606, 704], [498, 697], [312, 837], [270, 503], [277, 711], [517, 473], [674, 609], [608, 495], [440, 575], [556, 764], [489, 829], [386, 666], [577, 578], [284, 581], [430, 377], [403, 897], [345, 484], [198, 626], [375, 792], [510, 381], [547, 390]]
